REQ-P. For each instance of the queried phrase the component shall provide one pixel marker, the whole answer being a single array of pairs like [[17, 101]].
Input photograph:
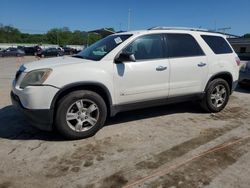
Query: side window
[[217, 44], [183, 45], [146, 47]]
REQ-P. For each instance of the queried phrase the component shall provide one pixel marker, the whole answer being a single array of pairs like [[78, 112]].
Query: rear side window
[[218, 44], [183, 45]]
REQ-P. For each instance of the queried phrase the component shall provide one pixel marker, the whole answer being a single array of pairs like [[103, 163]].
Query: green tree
[[247, 35], [93, 37], [77, 38], [61, 36], [9, 34]]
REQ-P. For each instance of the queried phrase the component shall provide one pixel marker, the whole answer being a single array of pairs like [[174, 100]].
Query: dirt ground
[[171, 146]]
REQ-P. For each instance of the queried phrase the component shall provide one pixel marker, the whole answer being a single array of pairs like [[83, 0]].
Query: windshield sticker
[[118, 40]]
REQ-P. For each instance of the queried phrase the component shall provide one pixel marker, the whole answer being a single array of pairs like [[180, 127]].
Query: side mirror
[[125, 57]]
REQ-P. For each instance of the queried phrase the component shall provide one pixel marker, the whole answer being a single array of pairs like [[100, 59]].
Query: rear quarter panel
[[218, 63]]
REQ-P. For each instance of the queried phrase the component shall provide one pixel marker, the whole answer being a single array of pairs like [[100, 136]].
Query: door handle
[[161, 68], [201, 64]]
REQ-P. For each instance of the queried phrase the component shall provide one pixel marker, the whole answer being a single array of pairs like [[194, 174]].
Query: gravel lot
[[170, 146]]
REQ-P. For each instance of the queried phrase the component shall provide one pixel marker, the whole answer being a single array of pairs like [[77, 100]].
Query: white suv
[[126, 71]]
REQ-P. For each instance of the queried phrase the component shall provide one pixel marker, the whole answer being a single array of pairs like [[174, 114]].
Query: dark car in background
[[244, 78], [69, 50], [50, 52], [32, 50], [12, 52]]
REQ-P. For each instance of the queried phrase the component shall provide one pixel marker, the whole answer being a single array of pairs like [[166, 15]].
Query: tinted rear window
[[218, 44], [183, 45]]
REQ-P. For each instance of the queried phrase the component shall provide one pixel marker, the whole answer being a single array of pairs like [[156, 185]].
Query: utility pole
[[129, 17]]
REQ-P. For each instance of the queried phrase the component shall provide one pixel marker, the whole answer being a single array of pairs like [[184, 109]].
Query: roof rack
[[179, 28]]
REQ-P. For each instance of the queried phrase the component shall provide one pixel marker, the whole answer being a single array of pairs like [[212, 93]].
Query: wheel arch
[[227, 76], [99, 88]]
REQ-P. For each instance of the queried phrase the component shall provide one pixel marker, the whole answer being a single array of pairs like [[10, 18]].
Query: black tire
[[207, 102], [66, 102]]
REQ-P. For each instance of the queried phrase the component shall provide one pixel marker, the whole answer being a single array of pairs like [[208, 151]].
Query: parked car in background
[[69, 51], [32, 50], [50, 52], [12, 52], [244, 78]]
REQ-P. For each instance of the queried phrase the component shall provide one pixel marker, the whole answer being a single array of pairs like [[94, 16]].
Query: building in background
[[241, 46]]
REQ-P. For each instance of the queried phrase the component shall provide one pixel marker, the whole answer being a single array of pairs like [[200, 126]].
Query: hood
[[53, 62]]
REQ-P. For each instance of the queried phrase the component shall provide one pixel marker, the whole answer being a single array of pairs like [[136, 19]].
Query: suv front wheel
[[216, 96], [80, 114]]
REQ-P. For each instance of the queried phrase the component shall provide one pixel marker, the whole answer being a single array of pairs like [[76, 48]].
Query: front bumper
[[39, 118]]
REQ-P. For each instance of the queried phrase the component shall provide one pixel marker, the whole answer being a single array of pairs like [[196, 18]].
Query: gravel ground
[[171, 146]]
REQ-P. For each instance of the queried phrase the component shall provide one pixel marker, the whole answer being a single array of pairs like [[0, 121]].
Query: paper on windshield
[[118, 40]]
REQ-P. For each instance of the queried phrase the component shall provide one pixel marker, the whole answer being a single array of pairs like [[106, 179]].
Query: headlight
[[36, 77]]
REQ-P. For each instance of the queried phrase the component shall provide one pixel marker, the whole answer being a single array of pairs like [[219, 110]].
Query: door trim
[[153, 102]]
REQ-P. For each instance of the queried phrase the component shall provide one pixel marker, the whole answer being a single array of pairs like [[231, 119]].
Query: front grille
[[18, 73]]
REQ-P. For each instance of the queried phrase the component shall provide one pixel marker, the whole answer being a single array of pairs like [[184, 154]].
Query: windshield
[[102, 47]]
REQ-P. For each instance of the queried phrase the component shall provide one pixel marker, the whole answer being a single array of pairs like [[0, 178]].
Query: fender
[[80, 84]]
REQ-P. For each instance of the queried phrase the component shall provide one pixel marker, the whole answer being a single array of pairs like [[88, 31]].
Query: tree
[[247, 35], [61, 36], [9, 34], [77, 38], [93, 37]]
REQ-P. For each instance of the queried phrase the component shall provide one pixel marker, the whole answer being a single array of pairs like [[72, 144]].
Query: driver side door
[[148, 77]]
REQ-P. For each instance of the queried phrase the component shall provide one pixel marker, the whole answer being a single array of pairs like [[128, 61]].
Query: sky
[[33, 16]]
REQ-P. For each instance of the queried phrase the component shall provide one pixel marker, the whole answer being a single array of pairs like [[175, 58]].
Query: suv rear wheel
[[216, 96], [80, 114]]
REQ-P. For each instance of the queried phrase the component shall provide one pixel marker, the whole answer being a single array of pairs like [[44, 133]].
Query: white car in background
[[126, 71]]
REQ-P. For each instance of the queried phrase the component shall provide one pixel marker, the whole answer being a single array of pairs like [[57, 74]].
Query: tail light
[[237, 61]]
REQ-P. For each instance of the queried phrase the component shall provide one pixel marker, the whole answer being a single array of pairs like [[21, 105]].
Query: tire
[[213, 102], [70, 104]]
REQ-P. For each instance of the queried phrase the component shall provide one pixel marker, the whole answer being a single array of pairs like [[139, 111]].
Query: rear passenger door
[[188, 65]]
